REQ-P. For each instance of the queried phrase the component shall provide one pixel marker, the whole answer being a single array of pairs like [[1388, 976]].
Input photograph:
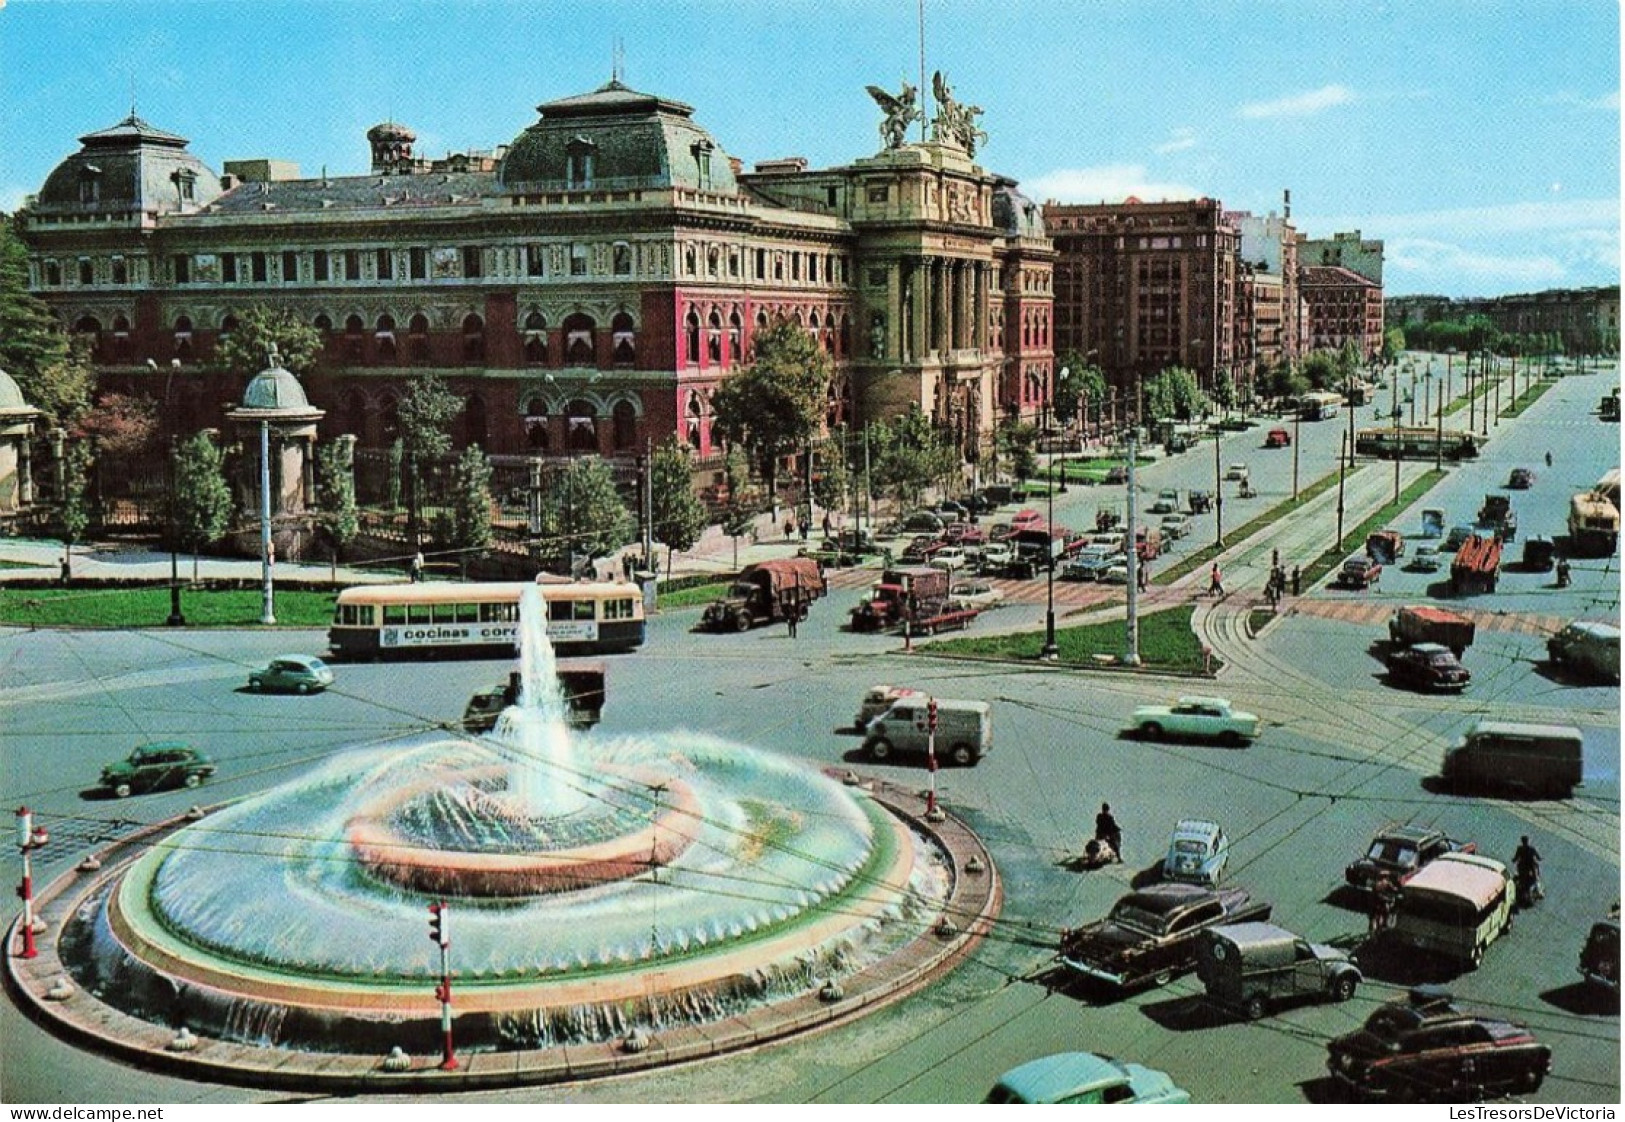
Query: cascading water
[[543, 782]]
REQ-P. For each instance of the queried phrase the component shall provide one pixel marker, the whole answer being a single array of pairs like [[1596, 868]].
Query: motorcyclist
[[1526, 871], [1107, 830], [1563, 572]]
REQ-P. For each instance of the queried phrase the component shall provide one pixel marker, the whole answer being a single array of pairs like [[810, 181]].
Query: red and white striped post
[[931, 754], [440, 933], [29, 838]]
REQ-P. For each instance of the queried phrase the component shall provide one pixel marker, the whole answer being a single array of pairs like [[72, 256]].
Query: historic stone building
[[1349, 250], [584, 289]]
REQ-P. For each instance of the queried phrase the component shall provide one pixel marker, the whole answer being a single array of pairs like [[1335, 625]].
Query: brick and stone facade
[[1343, 307]]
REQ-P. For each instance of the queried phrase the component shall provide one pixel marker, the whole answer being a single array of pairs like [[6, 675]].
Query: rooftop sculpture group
[[954, 124]]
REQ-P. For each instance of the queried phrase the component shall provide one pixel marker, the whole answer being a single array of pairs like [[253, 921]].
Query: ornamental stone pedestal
[[275, 417]]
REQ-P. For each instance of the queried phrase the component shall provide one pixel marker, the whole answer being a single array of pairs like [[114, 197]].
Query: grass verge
[[1333, 557], [693, 596], [1166, 643], [149, 607], [1529, 396], [1207, 553]]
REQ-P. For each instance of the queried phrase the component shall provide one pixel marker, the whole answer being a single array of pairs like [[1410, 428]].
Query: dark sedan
[[1427, 666], [1153, 934]]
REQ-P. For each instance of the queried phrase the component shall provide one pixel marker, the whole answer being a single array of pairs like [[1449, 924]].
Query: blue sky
[[1480, 140]]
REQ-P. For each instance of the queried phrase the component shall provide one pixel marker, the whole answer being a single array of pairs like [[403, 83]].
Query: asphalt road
[[1342, 754]]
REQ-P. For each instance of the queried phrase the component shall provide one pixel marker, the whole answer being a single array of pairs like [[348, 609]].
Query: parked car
[[1116, 474], [978, 594], [1278, 438], [1205, 718], [952, 510], [1154, 934], [1175, 525], [1197, 852], [996, 556], [1427, 666], [152, 767], [1167, 502], [923, 522], [1115, 574], [295, 673], [1253, 967], [1521, 479], [1398, 852], [1237, 473], [1425, 560], [1425, 1047], [1026, 520], [1359, 573], [1083, 1077]]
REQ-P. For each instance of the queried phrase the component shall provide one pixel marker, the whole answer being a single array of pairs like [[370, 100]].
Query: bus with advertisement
[[404, 620]]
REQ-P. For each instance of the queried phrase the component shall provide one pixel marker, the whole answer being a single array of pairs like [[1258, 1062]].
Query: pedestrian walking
[[1275, 560], [1383, 897], [1297, 580], [1215, 586], [417, 566], [829, 527], [792, 616], [1142, 579], [67, 569], [789, 528], [804, 530]]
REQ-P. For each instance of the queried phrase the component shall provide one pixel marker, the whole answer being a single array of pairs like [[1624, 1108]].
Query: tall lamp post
[[176, 618], [1060, 379], [1050, 652]]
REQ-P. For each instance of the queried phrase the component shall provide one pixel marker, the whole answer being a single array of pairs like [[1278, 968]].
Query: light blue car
[[1197, 852], [1083, 1077]]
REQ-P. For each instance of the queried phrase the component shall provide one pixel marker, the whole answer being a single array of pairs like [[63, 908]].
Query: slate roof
[[359, 192], [135, 166]]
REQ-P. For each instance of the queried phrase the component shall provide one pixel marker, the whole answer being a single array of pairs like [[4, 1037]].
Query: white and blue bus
[[583, 617]]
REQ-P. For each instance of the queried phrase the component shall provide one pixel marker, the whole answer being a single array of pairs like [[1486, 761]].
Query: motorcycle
[[1526, 885], [1563, 576]]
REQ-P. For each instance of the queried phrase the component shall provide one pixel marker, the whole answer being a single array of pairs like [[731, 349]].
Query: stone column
[[939, 305]]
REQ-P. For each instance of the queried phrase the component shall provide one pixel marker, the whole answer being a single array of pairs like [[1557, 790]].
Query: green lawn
[[1355, 539], [149, 607], [1528, 397], [692, 597], [1166, 643], [1193, 561], [1088, 470]]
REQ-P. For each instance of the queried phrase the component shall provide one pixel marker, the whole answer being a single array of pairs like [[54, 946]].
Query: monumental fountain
[[601, 890]]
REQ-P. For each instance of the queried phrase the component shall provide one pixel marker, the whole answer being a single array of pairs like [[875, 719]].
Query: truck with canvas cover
[[1477, 566], [1455, 907], [767, 592], [906, 593], [1423, 623]]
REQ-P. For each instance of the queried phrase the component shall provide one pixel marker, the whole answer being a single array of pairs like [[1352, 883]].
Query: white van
[[1590, 648], [964, 731]]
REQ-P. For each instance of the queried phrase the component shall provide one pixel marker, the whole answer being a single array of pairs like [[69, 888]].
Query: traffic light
[[442, 991], [439, 930], [931, 714]]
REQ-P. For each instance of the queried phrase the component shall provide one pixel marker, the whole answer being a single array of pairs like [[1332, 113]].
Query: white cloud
[[1608, 103], [1178, 141], [1544, 216], [1107, 183], [1425, 260], [1298, 105]]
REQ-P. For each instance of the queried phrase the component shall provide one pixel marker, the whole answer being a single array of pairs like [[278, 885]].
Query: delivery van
[[1589, 648], [1253, 967], [1455, 907], [964, 732], [1535, 759]]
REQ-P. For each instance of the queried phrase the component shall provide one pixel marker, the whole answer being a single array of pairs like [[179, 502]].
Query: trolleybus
[[1319, 406], [585, 617], [1416, 443]]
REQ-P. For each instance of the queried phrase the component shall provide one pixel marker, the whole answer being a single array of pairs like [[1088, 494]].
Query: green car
[[152, 767], [1083, 1077], [294, 673]]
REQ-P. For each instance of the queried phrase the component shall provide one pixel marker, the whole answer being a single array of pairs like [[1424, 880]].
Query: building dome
[[389, 130], [1014, 213], [11, 395], [615, 138], [275, 389], [129, 168]]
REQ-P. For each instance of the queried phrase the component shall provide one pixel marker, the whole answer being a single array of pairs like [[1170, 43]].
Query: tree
[[738, 520], [336, 496], [243, 352], [831, 476], [772, 407], [52, 371], [1223, 392], [1175, 393], [125, 425], [73, 511], [426, 412], [583, 516], [1319, 369], [1084, 382], [908, 455], [471, 500], [1393, 344], [1285, 381], [203, 503], [1017, 442], [677, 517]]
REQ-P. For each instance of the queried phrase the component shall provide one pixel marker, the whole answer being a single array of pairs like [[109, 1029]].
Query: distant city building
[[1349, 251], [584, 289], [1584, 319], [1343, 307]]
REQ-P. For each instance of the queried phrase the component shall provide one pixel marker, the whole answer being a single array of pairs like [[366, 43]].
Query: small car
[[1167, 502], [1458, 534], [1116, 475], [1425, 560], [1237, 473], [1399, 852], [1206, 718], [1252, 968], [1278, 438], [1115, 574], [952, 510], [995, 557], [1599, 958], [1175, 525], [877, 699], [1197, 852], [1425, 1047], [152, 767], [950, 557], [923, 522], [1521, 479], [1026, 520], [1428, 666], [1083, 1077], [1359, 572], [295, 673], [1091, 563], [977, 594]]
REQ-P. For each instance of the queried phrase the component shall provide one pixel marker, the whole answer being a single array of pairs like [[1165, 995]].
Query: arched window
[[323, 323], [695, 420], [624, 426], [536, 434], [384, 338], [691, 337], [476, 425], [473, 339], [535, 339], [580, 340], [736, 336], [353, 328], [417, 338], [227, 325], [846, 335], [88, 325], [713, 338], [623, 338], [581, 424], [183, 338]]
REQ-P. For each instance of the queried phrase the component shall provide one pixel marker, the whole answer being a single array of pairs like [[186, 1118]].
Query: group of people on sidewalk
[[1275, 587]]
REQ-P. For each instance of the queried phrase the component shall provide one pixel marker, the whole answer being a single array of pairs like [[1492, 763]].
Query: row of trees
[[1479, 333]]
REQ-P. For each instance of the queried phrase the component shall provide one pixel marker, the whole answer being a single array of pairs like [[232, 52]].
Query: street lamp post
[[267, 554], [1061, 377], [1050, 652], [176, 618]]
